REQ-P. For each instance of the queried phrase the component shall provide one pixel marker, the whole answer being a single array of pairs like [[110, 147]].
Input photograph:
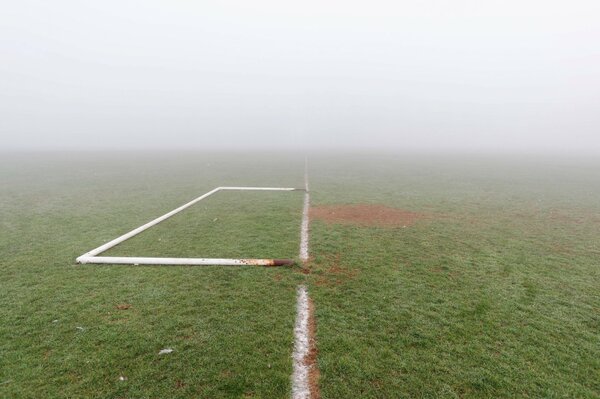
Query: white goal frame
[[92, 256]]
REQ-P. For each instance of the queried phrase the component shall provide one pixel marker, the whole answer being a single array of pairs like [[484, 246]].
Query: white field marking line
[[300, 387], [300, 374], [304, 227], [304, 230], [91, 256]]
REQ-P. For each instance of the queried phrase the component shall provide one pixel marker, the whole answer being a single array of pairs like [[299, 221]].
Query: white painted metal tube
[[137, 231], [91, 256], [261, 188], [127, 260]]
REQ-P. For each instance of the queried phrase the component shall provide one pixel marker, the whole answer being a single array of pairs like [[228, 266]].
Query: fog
[[506, 75]]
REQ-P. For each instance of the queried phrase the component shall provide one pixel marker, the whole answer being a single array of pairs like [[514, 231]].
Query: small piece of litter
[[215, 219], [122, 378], [54, 321], [165, 351], [80, 328]]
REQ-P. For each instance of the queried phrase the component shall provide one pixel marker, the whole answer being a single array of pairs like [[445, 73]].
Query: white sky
[[460, 74]]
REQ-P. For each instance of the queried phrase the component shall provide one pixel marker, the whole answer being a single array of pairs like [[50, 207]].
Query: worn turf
[[494, 294]]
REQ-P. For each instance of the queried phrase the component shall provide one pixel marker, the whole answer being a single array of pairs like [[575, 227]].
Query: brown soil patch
[[310, 359], [340, 271], [572, 216], [123, 306], [336, 274], [365, 215]]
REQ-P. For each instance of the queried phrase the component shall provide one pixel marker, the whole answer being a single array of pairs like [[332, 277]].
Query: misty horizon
[[516, 76]]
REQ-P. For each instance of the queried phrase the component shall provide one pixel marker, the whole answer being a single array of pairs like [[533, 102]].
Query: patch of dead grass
[[310, 359], [365, 215]]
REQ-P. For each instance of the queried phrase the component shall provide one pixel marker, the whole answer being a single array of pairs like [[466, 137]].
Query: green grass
[[495, 294], [231, 328], [228, 224]]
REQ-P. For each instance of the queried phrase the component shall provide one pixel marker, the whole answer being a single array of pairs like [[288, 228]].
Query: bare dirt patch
[[336, 274], [311, 358], [567, 216], [365, 215]]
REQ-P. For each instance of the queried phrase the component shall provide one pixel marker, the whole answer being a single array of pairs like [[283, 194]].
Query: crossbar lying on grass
[[92, 256]]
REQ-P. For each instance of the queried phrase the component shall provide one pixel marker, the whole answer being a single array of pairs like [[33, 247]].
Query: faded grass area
[[365, 215]]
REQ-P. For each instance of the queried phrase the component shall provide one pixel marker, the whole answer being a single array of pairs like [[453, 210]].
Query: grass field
[[495, 293]]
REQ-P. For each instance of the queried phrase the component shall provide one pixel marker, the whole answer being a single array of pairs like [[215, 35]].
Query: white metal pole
[[91, 256], [137, 231], [127, 260]]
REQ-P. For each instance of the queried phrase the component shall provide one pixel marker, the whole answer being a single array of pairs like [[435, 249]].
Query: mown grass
[[494, 294], [62, 334], [228, 224]]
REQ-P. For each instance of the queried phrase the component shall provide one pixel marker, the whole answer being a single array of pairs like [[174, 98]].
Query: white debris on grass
[[165, 351], [80, 328], [122, 378]]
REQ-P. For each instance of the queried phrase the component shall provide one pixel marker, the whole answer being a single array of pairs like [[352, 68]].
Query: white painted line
[[301, 372], [305, 210], [91, 256], [304, 230], [300, 387]]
